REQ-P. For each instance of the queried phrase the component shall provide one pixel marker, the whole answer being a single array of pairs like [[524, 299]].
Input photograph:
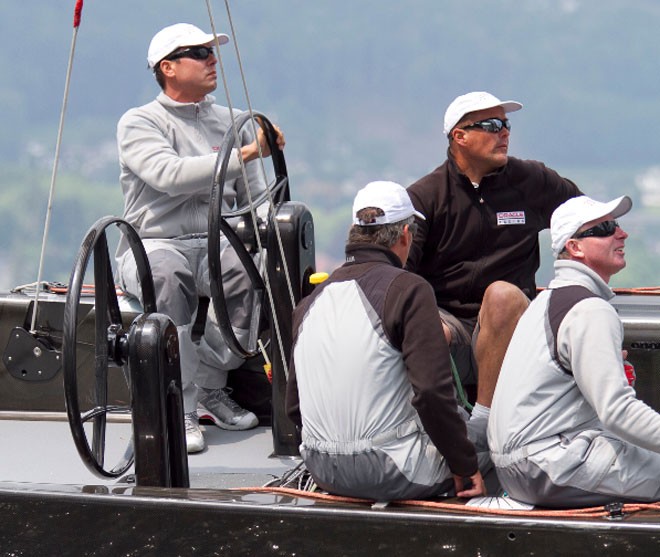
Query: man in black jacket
[[479, 244]]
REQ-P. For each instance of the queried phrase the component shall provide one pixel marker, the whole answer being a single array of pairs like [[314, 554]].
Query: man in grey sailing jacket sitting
[[566, 428], [167, 153], [370, 380]]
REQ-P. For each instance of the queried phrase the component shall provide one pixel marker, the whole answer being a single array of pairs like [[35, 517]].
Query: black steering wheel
[[110, 341], [278, 192]]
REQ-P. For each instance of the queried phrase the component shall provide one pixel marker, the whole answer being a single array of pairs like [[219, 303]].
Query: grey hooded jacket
[[167, 156]]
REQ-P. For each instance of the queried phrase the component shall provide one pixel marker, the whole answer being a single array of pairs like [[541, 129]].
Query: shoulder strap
[[561, 301]]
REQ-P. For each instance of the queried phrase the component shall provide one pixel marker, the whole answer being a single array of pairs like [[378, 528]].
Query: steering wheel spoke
[[99, 410], [104, 297]]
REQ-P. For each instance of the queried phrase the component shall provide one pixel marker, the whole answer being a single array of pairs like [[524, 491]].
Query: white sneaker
[[194, 438], [217, 406]]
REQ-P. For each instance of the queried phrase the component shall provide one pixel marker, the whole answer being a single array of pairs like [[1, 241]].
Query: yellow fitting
[[318, 278]]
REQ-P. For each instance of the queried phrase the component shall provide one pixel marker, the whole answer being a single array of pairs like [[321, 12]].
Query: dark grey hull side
[[61, 520]]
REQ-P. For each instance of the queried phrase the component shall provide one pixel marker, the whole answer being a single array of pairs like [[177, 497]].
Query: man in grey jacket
[[167, 153], [566, 428], [370, 380]]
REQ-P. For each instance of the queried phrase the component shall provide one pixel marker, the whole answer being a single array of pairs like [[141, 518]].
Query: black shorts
[[464, 333]]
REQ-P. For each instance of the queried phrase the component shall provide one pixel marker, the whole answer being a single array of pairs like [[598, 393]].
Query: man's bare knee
[[447, 332], [503, 301]]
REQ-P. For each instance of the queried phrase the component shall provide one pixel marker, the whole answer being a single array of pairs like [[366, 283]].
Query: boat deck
[[42, 451], [46, 492]]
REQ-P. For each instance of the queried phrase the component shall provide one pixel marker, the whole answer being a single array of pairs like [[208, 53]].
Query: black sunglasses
[[602, 230], [490, 125], [194, 52]]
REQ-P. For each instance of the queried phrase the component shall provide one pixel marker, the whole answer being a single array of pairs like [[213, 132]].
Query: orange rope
[[87, 289], [593, 512], [639, 290], [548, 513], [310, 494]]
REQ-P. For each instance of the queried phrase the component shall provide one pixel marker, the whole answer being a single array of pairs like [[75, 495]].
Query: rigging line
[[237, 142], [261, 159], [76, 23], [254, 132], [253, 214]]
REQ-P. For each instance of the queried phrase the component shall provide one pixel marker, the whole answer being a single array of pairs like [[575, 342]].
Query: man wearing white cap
[[479, 245], [168, 151], [369, 383], [566, 428]]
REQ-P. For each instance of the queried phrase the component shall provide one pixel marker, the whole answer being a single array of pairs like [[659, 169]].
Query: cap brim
[[510, 106], [222, 38], [208, 39], [617, 208], [620, 206]]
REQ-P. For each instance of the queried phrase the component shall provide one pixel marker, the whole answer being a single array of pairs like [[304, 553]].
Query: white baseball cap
[[577, 211], [471, 102], [391, 197], [175, 36]]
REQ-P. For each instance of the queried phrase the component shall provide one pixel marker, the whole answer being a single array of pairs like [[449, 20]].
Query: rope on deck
[[640, 290], [588, 512]]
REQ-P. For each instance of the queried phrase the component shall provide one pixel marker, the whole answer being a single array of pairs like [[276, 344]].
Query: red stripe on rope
[[77, 13]]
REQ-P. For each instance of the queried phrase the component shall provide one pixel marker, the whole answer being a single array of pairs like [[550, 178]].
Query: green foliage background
[[359, 88]]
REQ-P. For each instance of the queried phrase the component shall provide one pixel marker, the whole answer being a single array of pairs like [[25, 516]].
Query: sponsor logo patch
[[510, 217]]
